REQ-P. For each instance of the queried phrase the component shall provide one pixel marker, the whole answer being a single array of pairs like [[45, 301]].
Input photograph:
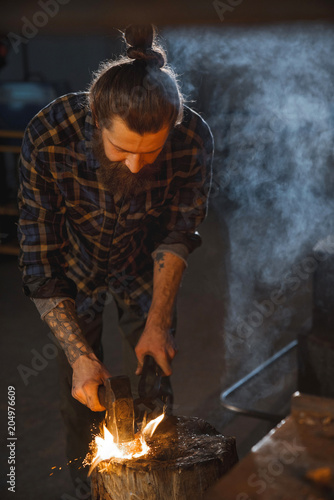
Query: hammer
[[115, 395]]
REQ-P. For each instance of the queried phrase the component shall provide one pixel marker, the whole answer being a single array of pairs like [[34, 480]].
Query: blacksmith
[[113, 185]]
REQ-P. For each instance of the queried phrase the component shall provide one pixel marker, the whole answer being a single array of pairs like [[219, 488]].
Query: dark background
[[261, 74]]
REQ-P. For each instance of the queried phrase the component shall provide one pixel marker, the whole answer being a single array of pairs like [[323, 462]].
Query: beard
[[115, 176]]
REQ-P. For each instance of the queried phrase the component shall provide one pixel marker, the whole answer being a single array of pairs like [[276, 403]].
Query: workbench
[[295, 461]]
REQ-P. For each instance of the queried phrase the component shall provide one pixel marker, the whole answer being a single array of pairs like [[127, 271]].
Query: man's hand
[[88, 374], [160, 344]]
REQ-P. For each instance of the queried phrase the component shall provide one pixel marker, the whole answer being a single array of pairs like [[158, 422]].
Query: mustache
[[116, 177]]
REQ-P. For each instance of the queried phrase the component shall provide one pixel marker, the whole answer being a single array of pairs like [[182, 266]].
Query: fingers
[[165, 367], [165, 358], [79, 396], [88, 375], [165, 363], [93, 401], [140, 357], [88, 396], [139, 369], [162, 357]]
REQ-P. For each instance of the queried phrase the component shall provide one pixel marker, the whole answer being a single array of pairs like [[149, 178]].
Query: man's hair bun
[[142, 45], [141, 88], [140, 35]]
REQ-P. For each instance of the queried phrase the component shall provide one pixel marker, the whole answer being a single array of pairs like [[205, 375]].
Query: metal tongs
[[150, 380]]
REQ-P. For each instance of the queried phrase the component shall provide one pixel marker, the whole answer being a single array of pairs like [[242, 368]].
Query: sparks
[[107, 449]]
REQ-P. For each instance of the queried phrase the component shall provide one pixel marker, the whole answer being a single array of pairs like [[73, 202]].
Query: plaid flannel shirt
[[77, 239]]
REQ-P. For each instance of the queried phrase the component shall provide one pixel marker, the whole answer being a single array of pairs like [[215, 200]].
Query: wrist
[[159, 319], [83, 358], [79, 352]]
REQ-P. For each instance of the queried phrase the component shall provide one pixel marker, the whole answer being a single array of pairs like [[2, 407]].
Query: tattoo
[[160, 260], [64, 324]]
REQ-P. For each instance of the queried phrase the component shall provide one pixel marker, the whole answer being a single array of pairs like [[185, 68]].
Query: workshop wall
[[67, 61]]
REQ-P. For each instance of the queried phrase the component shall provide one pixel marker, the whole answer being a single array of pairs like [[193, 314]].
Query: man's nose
[[134, 163]]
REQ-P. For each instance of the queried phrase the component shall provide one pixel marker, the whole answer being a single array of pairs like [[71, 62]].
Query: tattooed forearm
[[167, 276], [64, 324], [159, 261]]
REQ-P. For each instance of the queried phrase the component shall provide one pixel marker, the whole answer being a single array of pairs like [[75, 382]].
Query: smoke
[[267, 93]]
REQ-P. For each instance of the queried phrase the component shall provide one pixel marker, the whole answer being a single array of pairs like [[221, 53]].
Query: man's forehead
[[120, 136]]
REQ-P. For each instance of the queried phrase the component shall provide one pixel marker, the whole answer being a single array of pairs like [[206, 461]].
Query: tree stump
[[187, 455]]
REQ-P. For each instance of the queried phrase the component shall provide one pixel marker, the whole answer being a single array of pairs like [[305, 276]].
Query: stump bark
[[186, 457]]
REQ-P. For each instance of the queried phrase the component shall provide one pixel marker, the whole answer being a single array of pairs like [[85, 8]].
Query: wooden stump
[[187, 456]]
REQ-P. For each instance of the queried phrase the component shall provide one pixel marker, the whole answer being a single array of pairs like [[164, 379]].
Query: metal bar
[[10, 149], [249, 411], [9, 249], [9, 209], [12, 133]]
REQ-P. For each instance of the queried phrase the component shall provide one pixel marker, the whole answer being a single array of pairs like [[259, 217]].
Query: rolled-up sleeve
[[42, 230]]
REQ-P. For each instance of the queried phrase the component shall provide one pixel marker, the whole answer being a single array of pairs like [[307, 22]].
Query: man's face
[[126, 157]]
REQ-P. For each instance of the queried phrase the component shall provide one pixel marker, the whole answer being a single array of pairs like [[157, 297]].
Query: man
[[113, 184]]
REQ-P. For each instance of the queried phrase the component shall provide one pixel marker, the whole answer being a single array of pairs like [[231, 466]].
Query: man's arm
[[156, 338], [43, 239], [88, 371]]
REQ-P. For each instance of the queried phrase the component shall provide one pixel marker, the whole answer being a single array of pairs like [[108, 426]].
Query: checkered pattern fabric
[[79, 239]]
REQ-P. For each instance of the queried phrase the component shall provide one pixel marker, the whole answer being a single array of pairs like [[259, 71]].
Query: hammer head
[[116, 397]]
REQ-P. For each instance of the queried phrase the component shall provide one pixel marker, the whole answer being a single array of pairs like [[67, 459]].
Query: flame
[[149, 428], [107, 449]]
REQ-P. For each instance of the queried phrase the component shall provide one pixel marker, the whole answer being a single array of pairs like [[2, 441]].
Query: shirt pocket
[[86, 219]]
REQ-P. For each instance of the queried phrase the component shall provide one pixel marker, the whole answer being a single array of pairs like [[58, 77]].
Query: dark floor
[[28, 364]]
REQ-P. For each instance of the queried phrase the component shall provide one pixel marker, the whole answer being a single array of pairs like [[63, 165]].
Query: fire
[[150, 428], [107, 449]]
